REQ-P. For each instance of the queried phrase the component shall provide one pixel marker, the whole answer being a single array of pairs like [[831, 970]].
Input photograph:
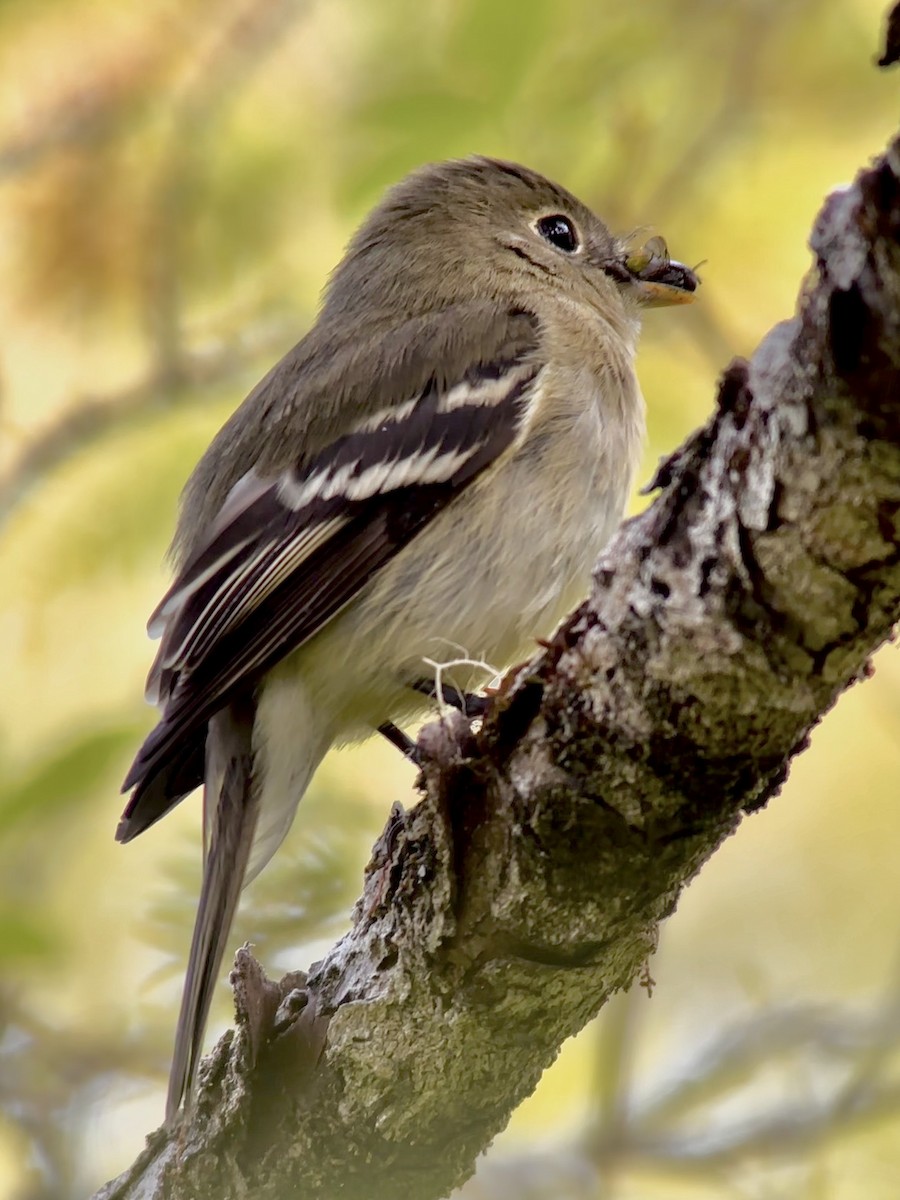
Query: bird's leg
[[468, 703], [401, 740]]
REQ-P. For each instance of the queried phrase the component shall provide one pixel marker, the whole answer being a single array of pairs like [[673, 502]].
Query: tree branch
[[527, 886]]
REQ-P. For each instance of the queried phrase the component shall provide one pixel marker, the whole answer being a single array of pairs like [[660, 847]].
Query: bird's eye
[[559, 231]]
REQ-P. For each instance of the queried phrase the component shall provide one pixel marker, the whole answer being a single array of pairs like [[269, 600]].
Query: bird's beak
[[664, 282], [654, 278]]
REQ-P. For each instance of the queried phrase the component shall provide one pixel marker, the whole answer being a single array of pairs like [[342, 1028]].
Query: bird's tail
[[232, 804]]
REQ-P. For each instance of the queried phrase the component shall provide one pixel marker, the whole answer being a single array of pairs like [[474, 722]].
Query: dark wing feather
[[296, 551]]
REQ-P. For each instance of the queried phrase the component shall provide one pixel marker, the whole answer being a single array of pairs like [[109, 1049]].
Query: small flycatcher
[[436, 465]]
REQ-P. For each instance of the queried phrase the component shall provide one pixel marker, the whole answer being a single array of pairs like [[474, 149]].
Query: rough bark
[[528, 884]]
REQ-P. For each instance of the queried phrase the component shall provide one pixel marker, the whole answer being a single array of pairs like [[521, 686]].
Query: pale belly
[[495, 571], [492, 574]]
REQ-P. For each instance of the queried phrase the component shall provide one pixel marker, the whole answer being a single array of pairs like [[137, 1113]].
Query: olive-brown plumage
[[428, 475]]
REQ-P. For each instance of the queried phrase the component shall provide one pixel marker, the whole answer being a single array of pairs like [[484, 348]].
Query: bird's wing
[[284, 556]]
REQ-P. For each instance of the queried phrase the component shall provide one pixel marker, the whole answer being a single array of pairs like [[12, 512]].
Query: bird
[[435, 465]]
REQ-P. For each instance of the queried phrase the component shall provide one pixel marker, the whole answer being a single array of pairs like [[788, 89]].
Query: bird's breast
[[513, 554]]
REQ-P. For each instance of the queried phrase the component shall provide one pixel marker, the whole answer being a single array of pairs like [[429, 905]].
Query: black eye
[[559, 231]]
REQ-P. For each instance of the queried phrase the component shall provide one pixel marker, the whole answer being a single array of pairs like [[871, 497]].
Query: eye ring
[[559, 230]]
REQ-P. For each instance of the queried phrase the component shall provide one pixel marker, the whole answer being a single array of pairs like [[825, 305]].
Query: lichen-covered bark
[[527, 886]]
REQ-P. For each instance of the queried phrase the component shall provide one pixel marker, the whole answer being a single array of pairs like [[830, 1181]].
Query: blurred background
[[176, 179]]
